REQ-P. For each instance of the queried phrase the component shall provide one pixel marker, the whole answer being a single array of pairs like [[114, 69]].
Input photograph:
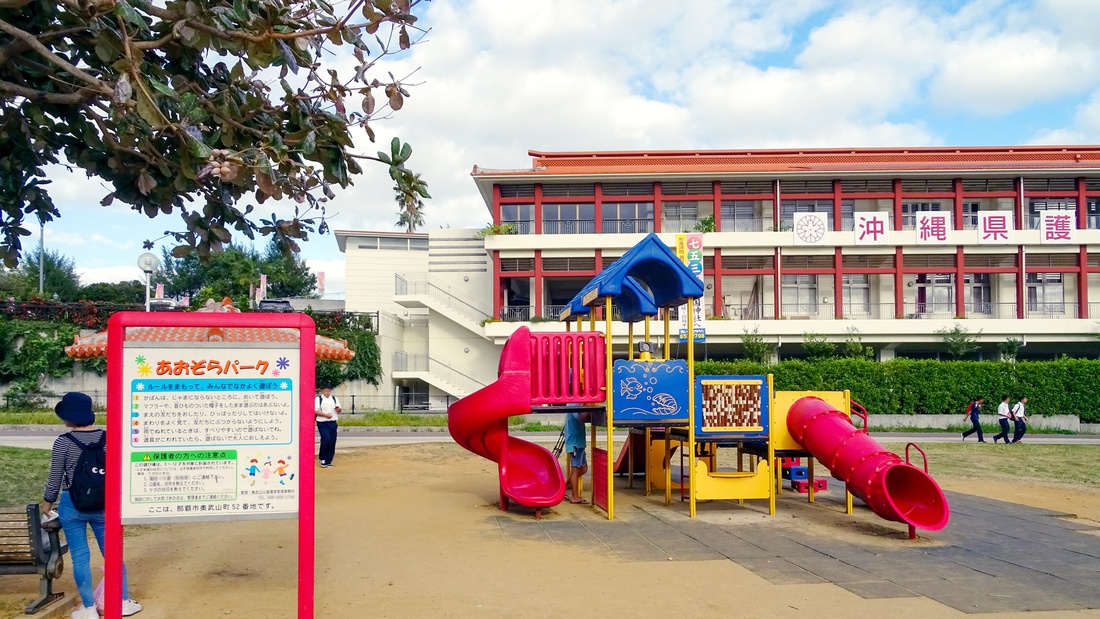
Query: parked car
[[164, 305], [279, 306]]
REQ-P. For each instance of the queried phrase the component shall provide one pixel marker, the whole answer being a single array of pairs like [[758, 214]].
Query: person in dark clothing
[[972, 413], [1019, 412]]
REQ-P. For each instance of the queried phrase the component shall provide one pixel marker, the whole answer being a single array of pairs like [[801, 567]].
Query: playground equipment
[[667, 407]]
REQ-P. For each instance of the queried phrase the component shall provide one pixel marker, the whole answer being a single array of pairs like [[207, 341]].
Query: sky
[[496, 79]]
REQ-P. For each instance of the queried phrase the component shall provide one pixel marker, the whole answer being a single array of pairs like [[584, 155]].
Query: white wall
[[369, 275]]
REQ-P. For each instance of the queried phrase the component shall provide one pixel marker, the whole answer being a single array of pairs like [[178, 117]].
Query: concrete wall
[[370, 274], [1053, 422]]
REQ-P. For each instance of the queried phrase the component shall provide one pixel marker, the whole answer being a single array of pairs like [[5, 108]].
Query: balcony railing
[[521, 313], [552, 312], [868, 311], [428, 285], [929, 310], [627, 226], [1050, 310], [806, 311], [746, 225], [521, 227], [568, 227], [752, 311], [990, 310]]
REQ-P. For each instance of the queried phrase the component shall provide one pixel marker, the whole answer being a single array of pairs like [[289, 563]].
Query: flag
[[160, 291], [261, 293], [321, 282]]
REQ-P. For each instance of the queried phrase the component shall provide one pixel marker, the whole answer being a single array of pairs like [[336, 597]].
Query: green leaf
[[406, 152], [127, 13], [163, 89], [309, 144]]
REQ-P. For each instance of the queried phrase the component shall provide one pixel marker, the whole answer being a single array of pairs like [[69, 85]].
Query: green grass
[[45, 418], [394, 419], [23, 474], [1064, 464], [536, 426], [989, 429]]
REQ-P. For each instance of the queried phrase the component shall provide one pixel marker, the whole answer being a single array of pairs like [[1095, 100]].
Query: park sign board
[[209, 417], [212, 431]]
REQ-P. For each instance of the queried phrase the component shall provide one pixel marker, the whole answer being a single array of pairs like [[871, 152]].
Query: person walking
[[575, 445], [1019, 412], [973, 413], [1004, 415], [327, 409], [76, 485]]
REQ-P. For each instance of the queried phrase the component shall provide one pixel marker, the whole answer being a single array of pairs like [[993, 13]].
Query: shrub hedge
[[911, 386]]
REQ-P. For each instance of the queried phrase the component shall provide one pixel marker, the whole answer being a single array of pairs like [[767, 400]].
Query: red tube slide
[[529, 474], [891, 487]]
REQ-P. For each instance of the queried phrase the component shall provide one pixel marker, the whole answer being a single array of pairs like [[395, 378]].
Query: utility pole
[[41, 256]]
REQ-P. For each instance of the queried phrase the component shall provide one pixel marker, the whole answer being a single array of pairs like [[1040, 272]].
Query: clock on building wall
[[809, 228]]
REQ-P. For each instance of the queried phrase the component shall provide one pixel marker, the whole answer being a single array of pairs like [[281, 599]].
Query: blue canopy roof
[[650, 261], [634, 304]]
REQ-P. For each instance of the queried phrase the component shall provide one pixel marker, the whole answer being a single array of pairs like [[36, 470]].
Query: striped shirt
[[63, 461]]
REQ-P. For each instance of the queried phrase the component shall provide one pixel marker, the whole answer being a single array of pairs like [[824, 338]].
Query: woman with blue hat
[[65, 480]]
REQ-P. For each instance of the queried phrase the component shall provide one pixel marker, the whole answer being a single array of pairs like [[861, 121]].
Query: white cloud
[[1084, 129], [334, 274], [110, 274]]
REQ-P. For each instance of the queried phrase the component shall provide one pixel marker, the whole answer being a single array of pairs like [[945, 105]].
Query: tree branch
[[33, 43], [46, 97]]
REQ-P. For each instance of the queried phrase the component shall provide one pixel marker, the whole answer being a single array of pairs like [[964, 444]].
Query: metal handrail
[[444, 370], [427, 284], [861, 413]]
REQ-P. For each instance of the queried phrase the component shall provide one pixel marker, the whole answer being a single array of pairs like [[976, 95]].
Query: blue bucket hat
[[75, 408]]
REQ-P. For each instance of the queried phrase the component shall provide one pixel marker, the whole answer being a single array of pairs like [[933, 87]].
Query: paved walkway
[[992, 557]]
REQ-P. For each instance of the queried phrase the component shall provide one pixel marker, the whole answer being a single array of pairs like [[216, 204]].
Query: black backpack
[[87, 489]]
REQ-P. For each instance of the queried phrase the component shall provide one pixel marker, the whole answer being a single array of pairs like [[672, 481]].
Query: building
[[889, 245]]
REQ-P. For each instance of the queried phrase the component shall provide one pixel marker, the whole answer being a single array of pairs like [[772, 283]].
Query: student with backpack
[[973, 412], [77, 486], [326, 409], [1019, 415]]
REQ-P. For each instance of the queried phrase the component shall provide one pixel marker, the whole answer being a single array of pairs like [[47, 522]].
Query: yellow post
[[630, 340], [646, 460], [610, 411], [810, 473], [668, 467], [691, 402], [647, 328], [771, 450], [668, 345], [580, 322]]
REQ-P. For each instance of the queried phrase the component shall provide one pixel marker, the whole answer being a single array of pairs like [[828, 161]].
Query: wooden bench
[[23, 551]]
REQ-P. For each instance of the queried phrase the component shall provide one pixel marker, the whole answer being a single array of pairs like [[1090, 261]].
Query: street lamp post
[[148, 262], [41, 256]]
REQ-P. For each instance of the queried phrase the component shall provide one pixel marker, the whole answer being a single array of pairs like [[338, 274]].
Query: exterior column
[[775, 205], [1082, 200], [536, 298], [597, 209], [960, 278], [717, 206], [1021, 279], [899, 283], [777, 281], [1083, 281], [719, 300], [1018, 207], [496, 204], [837, 210], [897, 204], [657, 206], [958, 204], [498, 290], [538, 208], [838, 284]]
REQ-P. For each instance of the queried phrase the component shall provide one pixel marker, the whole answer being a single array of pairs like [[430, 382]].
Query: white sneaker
[[85, 612], [130, 607]]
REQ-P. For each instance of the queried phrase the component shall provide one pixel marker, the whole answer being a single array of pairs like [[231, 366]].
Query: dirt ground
[[409, 531]]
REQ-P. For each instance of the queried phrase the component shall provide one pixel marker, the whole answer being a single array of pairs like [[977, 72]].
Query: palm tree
[[410, 215]]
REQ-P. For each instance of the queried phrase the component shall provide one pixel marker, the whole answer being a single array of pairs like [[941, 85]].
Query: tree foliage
[[235, 273], [959, 341], [197, 106], [757, 350], [31, 352], [60, 278], [357, 330], [818, 347], [123, 293]]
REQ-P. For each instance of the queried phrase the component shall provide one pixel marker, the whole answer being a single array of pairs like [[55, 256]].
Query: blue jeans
[[75, 524], [327, 451]]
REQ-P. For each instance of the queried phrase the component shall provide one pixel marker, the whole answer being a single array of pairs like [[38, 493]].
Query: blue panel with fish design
[[649, 392]]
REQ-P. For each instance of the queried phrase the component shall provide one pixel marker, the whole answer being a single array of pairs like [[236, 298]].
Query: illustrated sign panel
[[651, 392], [212, 432], [689, 247], [731, 405]]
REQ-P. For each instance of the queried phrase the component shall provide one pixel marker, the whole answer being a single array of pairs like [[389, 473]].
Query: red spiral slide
[[529, 474], [892, 488]]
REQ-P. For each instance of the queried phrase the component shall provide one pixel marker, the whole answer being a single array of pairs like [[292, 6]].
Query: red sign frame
[[116, 426]]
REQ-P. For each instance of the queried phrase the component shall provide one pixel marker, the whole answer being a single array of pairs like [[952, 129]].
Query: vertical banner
[[261, 294], [689, 248], [160, 291], [321, 282]]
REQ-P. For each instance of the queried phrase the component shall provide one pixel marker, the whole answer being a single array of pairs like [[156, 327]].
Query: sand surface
[[409, 531]]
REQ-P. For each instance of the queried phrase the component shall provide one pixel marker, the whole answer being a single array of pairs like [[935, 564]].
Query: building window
[[740, 216], [519, 216], [799, 295], [936, 293], [790, 207], [627, 217], [979, 293], [1037, 206], [1092, 213], [1046, 294], [857, 294], [683, 216], [970, 215], [568, 219], [909, 211]]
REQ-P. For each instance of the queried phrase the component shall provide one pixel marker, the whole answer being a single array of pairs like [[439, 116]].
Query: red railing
[[567, 368]]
